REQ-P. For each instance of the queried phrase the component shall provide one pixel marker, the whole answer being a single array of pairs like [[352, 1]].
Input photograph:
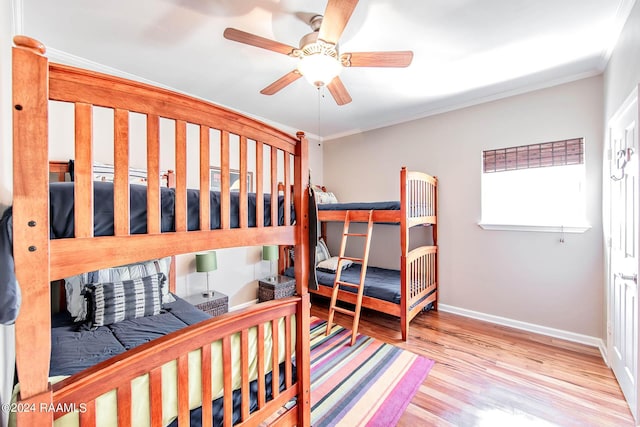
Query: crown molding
[[622, 15]]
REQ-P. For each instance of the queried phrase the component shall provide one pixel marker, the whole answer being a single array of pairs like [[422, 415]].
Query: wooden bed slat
[[244, 201], [181, 176], [228, 390], [183, 389], [275, 368], [153, 174], [121, 170], [244, 367], [205, 177], [259, 184], [287, 348], [83, 187], [207, 415], [124, 405], [287, 193], [274, 187], [88, 417], [225, 197], [155, 397], [261, 368]]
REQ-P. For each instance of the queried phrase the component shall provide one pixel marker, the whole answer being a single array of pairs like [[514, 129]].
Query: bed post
[[435, 241], [404, 243], [30, 74], [303, 364]]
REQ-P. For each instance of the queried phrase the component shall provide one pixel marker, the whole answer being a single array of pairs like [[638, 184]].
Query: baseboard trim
[[529, 327], [604, 352]]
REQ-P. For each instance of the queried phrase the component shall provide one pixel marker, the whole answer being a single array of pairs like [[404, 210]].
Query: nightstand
[[276, 287], [214, 305]]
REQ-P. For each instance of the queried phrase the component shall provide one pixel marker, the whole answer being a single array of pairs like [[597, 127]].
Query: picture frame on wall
[[234, 179]]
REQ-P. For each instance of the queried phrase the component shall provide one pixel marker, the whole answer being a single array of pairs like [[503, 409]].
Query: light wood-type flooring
[[488, 375]]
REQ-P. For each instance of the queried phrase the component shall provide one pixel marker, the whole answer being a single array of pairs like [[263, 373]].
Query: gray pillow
[[113, 302], [74, 285]]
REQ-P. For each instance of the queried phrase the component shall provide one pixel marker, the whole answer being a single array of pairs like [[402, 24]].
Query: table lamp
[[270, 253], [206, 262]]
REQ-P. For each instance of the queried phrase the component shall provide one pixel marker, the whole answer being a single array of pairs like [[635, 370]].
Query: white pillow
[[331, 265], [105, 172], [322, 251], [74, 286], [323, 197]]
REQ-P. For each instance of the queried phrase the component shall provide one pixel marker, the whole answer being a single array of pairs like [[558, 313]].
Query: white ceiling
[[465, 51]]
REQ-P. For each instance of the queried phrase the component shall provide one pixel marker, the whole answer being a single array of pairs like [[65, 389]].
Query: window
[[539, 185]]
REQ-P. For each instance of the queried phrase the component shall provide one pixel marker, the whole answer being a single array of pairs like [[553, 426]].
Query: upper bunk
[[245, 216], [417, 204]]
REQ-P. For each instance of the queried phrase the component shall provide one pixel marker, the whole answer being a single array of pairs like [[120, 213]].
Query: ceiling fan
[[320, 61]]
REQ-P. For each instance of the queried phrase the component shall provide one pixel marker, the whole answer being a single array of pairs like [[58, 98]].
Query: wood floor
[[488, 375]]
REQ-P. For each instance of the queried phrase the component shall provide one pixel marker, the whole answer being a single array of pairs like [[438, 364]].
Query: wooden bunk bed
[[281, 327], [418, 275]]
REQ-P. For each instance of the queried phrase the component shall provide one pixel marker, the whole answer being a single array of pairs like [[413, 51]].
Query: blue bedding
[[74, 348], [380, 283], [62, 224], [360, 206]]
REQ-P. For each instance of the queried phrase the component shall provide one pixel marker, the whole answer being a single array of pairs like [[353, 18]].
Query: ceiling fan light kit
[[319, 63], [319, 60]]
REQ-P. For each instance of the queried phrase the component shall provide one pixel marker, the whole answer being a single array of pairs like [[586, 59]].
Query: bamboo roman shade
[[557, 153]]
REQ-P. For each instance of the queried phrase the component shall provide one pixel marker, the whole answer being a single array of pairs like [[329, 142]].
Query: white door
[[623, 299]]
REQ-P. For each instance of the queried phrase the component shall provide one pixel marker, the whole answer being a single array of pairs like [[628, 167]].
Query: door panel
[[623, 228]]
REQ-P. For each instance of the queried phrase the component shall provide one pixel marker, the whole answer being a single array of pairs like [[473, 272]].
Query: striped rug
[[369, 384]]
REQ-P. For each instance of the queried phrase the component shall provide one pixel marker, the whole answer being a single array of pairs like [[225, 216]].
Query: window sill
[[539, 228]]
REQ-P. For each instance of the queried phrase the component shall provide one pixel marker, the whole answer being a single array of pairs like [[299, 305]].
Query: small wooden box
[[214, 305], [276, 287]]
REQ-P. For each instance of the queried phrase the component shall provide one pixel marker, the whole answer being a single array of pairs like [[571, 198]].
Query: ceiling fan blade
[[339, 92], [335, 18], [377, 59], [283, 81], [253, 40]]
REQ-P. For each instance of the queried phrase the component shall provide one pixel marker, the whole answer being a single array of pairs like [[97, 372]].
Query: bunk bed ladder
[[359, 286]]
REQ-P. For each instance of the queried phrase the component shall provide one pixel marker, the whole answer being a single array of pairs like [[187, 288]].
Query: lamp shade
[[270, 252], [206, 261], [319, 69]]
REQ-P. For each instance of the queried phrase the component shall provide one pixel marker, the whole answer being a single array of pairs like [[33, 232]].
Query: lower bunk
[[383, 287], [158, 370]]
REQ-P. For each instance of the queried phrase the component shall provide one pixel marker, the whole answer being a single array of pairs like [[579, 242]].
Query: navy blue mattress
[[62, 224], [61, 206], [74, 348], [380, 283], [360, 206]]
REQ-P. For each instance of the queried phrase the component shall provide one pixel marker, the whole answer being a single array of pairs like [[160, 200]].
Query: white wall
[[524, 276], [623, 70]]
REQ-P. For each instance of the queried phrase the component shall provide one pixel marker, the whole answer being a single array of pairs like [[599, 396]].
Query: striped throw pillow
[[113, 302]]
